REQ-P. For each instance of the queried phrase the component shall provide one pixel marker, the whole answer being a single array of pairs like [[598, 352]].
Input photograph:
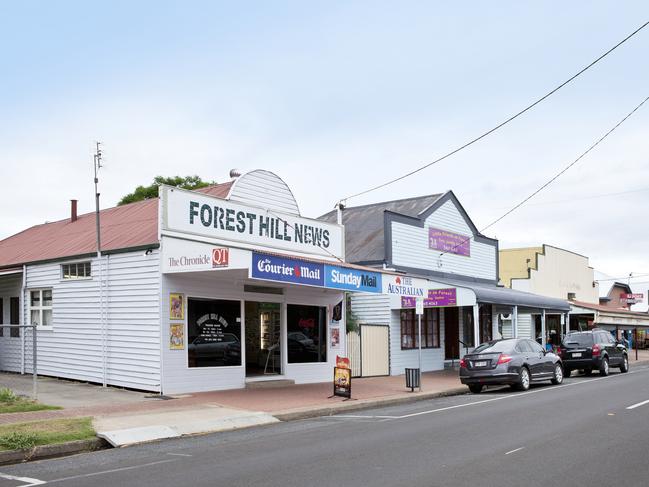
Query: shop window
[[429, 329], [467, 326], [40, 307], [77, 270], [486, 323], [306, 333], [14, 316], [213, 333]]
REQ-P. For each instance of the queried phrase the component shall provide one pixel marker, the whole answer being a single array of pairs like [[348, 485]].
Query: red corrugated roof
[[122, 227], [609, 309]]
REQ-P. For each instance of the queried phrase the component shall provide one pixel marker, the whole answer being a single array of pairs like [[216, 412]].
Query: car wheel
[[588, 371], [566, 373], [625, 365], [523, 379], [603, 369], [558, 375], [475, 388]]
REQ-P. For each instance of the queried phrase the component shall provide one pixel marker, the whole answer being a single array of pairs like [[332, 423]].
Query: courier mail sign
[[206, 216]]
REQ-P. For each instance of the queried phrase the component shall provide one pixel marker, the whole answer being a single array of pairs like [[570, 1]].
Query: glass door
[[263, 345]]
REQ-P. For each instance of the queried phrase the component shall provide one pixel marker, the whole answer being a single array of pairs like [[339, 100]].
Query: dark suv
[[592, 350]]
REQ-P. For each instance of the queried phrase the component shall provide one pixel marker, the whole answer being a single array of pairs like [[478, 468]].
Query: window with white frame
[[76, 270], [40, 307]]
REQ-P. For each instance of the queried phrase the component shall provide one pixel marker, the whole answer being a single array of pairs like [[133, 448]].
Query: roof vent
[[572, 296], [235, 173]]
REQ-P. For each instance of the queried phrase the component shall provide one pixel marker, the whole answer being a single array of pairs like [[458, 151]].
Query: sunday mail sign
[[206, 216]]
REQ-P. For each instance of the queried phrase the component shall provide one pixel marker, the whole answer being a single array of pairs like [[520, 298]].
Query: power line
[[502, 124], [632, 276], [554, 178], [591, 197]]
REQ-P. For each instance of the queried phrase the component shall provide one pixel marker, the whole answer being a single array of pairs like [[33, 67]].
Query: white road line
[[28, 481], [484, 401], [179, 454], [514, 451], [103, 472], [638, 405]]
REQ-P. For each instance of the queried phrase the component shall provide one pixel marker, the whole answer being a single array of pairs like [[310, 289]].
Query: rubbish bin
[[412, 378]]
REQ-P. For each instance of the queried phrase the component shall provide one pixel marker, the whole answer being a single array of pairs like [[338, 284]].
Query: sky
[[336, 97]]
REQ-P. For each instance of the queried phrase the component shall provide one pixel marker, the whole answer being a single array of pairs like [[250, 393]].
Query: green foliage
[[10, 403], [350, 318], [17, 436], [151, 191], [18, 441], [7, 395]]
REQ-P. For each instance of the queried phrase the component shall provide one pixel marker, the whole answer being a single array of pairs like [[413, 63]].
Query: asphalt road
[[581, 433]]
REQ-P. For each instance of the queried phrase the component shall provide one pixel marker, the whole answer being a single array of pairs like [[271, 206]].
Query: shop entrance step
[[268, 383]]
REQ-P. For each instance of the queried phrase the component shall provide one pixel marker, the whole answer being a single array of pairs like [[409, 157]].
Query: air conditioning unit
[[505, 316]]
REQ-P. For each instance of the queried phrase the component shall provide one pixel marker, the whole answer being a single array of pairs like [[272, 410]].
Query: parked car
[[593, 350], [514, 361]]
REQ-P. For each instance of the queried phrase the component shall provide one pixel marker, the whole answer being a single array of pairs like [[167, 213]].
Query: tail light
[[504, 358], [596, 350], [559, 351], [462, 363]]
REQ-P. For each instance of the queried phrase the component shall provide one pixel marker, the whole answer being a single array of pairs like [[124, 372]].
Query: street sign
[[419, 307]]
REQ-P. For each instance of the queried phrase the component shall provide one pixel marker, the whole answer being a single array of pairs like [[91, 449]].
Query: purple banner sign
[[408, 301], [436, 298], [441, 297], [450, 242]]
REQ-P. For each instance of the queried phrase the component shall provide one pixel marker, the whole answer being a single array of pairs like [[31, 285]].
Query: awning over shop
[[492, 294], [612, 317]]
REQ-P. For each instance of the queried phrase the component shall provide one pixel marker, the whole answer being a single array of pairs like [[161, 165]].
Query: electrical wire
[[554, 178], [502, 124]]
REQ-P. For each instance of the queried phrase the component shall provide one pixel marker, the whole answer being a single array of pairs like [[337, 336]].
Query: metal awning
[[493, 294]]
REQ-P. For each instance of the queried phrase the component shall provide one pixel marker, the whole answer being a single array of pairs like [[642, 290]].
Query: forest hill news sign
[[449, 242], [190, 212]]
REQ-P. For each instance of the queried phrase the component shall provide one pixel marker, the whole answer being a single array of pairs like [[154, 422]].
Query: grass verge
[[17, 436], [10, 403]]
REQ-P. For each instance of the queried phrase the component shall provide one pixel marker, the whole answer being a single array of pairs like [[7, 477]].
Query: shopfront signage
[[632, 298], [435, 298], [342, 378], [220, 257], [283, 269], [179, 255], [404, 286], [206, 216], [352, 279], [449, 242]]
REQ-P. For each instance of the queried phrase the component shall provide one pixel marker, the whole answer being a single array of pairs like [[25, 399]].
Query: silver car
[[515, 362]]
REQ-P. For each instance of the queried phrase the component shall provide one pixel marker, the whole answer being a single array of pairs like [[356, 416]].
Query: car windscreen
[[495, 347], [579, 339]]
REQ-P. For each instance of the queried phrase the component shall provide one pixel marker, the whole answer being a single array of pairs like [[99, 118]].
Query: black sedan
[[515, 362]]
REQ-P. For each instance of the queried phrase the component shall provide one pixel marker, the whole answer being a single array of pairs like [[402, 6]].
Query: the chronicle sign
[[191, 212]]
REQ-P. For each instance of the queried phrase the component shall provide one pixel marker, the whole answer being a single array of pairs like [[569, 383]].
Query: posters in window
[[335, 337], [176, 336], [176, 306], [213, 333]]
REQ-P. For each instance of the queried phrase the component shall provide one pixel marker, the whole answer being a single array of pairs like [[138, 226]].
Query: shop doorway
[[263, 344], [451, 334]]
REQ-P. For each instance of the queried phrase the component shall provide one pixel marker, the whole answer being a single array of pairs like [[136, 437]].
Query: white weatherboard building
[[438, 254], [194, 291]]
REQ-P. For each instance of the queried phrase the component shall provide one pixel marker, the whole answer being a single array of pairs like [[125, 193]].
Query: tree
[[151, 191]]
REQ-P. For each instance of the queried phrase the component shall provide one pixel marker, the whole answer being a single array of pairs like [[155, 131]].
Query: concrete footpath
[[125, 417]]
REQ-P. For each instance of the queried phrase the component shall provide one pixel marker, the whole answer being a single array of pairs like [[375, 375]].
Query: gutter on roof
[[85, 255]]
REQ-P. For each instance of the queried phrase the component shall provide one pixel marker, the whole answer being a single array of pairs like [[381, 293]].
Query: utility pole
[[104, 346], [97, 166]]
